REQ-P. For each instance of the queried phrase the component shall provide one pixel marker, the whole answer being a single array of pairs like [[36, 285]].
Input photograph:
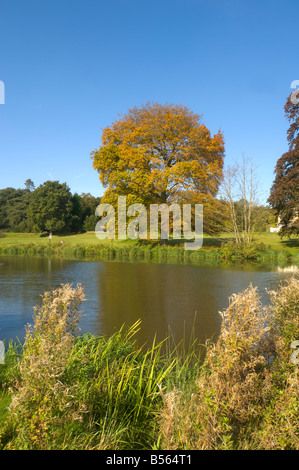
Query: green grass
[[109, 394], [88, 246], [86, 239], [5, 400], [69, 392]]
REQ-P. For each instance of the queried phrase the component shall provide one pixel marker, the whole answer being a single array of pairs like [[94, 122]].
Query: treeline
[[262, 217], [52, 207], [49, 207]]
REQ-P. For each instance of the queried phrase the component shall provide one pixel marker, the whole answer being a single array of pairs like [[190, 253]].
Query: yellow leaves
[[156, 149]]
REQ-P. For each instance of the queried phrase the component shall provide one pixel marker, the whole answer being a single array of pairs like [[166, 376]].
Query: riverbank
[[266, 248], [66, 391]]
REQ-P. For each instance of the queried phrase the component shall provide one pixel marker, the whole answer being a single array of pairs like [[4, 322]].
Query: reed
[[227, 254], [64, 390], [82, 391]]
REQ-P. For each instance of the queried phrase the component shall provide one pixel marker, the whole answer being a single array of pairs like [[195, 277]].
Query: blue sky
[[70, 66]]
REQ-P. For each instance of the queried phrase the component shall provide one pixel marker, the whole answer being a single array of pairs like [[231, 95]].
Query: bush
[[232, 388], [43, 400], [246, 395], [90, 223], [75, 392], [243, 252]]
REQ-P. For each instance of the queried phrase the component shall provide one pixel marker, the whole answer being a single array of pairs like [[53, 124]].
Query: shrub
[[246, 395], [243, 252], [232, 387], [82, 391], [43, 400], [280, 425]]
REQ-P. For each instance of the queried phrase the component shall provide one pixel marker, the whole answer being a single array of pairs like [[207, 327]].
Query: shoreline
[[146, 253]]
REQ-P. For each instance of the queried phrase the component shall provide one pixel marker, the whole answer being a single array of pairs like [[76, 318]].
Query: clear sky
[[70, 66]]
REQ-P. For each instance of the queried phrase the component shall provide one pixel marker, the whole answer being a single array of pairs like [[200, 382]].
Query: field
[[266, 248], [271, 240]]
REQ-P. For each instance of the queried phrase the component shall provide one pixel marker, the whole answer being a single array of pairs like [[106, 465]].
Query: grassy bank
[[67, 391], [266, 248]]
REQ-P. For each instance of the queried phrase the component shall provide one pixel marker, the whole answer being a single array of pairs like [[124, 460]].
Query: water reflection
[[165, 297]]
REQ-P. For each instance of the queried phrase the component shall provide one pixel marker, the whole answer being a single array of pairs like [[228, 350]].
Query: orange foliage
[[159, 154]]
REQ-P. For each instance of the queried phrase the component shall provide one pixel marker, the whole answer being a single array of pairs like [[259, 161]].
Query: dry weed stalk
[[42, 395], [231, 406]]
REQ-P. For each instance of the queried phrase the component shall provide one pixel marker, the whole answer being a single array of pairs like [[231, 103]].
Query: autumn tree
[[284, 194], [158, 154]]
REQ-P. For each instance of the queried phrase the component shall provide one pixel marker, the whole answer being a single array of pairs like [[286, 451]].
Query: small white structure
[[275, 229], [288, 269]]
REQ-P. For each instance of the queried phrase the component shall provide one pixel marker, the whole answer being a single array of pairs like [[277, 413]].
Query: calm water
[[165, 297]]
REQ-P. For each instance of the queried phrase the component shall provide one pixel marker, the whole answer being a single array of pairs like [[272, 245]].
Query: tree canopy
[[284, 194], [13, 210], [159, 154], [51, 207]]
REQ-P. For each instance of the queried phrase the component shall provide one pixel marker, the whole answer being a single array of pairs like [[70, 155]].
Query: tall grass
[[139, 252], [84, 391], [246, 395], [64, 390]]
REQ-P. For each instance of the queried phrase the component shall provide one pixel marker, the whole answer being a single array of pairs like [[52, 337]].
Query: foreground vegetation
[[63, 390], [266, 247]]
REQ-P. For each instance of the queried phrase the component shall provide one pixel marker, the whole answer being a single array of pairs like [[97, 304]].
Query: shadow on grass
[[290, 243], [216, 242], [209, 242]]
